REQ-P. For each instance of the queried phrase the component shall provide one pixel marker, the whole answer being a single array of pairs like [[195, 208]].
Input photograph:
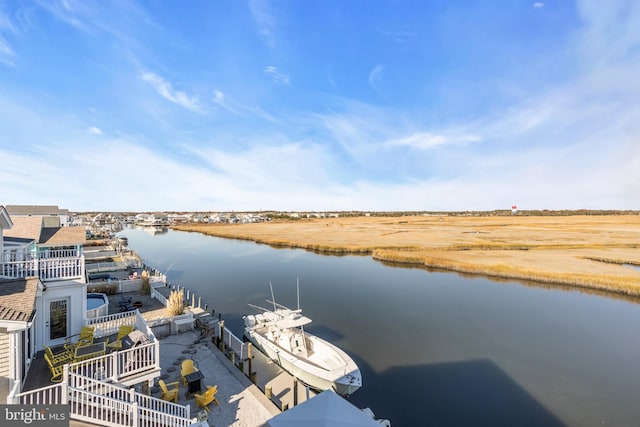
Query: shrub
[[145, 289], [175, 304], [109, 289]]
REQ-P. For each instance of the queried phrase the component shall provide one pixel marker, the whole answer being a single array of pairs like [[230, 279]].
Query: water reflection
[[433, 346], [549, 286]]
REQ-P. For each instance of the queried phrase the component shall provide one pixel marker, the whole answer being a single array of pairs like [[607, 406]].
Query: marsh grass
[[553, 250]]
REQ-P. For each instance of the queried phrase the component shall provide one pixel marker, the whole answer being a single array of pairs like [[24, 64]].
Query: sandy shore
[[596, 252]]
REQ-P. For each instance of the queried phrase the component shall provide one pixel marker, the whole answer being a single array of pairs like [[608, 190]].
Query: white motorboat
[[280, 334]]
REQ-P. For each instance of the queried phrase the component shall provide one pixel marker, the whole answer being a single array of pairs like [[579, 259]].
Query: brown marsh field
[[595, 252]]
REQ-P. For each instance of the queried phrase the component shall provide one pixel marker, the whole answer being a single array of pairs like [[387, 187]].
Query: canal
[[434, 348]]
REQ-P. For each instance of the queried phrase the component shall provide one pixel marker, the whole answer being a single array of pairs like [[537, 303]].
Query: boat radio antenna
[[298, 290], [273, 299]]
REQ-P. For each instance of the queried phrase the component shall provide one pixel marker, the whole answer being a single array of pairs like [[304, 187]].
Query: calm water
[[434, 348]]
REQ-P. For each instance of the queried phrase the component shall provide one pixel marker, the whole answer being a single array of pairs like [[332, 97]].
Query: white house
[[42, 290]]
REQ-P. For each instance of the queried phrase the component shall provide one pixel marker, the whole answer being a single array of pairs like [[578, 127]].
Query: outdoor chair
[[122, 332], [186, 369], [207, 397], [125, 304], [169, 394], [60, 357], [85, 338], [56, 370]]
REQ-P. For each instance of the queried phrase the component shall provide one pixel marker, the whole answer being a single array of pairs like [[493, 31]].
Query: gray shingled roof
[[63, 236], [33, 209], [28, 227], [17, 299], [31, 227]]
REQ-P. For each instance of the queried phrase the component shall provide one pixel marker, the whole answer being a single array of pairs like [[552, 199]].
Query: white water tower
[[514, 210]]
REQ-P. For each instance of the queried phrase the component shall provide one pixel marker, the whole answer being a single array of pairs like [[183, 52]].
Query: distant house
[[54, 216]]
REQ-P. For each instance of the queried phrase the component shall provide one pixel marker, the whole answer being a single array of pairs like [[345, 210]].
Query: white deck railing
[[97, 267], [50, 395], [110, 324], [92, 391], [110, 405], [19, 269], [232, 342], [47, 269], [61, 268], [59, 253], [120, 365], [155, 293], [122, 394]]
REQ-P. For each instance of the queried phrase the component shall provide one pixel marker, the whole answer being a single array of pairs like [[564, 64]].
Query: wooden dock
[[269, 375]]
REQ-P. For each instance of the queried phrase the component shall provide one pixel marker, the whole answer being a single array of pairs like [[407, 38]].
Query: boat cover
[[327, 409]]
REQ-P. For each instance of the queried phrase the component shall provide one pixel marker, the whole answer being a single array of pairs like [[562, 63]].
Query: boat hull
[[344, 381]]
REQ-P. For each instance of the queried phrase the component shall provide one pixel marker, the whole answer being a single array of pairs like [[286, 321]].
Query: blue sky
[[320, 105]]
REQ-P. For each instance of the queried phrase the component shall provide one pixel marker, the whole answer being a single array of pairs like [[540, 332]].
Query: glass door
[[58, 319]]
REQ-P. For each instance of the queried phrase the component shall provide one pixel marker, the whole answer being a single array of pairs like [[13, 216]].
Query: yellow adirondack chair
[[169, 394], [187, 368], [56, 370], [122, 332], [207, 397], [85, 338], [59, 358]]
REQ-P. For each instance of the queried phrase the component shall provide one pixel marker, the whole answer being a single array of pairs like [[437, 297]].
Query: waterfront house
[[42, 288], [43, 302]]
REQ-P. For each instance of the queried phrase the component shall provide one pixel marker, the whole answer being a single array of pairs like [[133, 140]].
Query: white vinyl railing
[[97, 267], [107, 404], [61, 268], [59, 253], [50, 395], [155, 293], [92, 391], [110, 324], [128, 395], [232, 342], [119, 365], [107, 411], [47, 269], [19, 269]]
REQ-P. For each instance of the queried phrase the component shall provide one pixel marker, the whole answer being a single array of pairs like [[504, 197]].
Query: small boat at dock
[[280, 334]]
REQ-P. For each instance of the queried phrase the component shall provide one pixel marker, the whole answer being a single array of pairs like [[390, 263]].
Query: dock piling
[[295, 391]]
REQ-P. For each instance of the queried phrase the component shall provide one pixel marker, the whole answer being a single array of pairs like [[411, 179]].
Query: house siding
[[4, 355]]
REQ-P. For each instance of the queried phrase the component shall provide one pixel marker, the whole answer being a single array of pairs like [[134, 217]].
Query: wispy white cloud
[[264, 19], [538, 5], [571, 144], [68, 12], [232, 105], [276, 75], [165, 89], [427, 140], [220, 99], [7, 54], [375, 77]]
